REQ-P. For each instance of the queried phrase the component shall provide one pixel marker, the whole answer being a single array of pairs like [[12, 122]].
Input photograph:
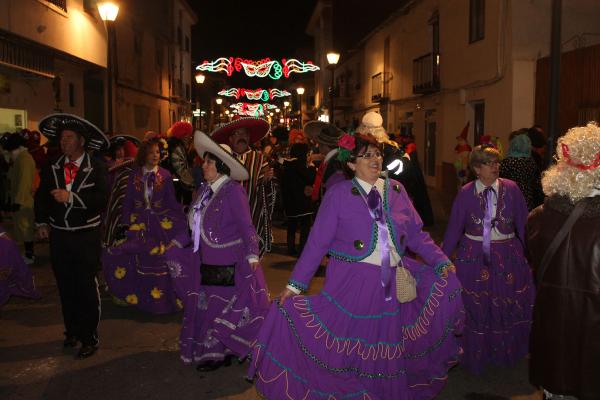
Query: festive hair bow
[[346, 144]]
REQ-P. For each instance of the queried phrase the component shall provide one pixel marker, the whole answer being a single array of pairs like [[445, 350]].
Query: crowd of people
[[182, 221]]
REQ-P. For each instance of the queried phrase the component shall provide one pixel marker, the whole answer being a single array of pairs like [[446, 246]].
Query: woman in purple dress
[[226, 297], [487, 231], [15, 277], [136, 267], [383, 325]]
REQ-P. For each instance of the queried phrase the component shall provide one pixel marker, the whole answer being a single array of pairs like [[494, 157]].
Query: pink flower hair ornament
[[346, 144]]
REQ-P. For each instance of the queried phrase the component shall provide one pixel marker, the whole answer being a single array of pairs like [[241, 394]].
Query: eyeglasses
[[371, 154], [492, 163]]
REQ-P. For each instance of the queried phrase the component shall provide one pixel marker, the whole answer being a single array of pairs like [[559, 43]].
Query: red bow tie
[[70, 172]]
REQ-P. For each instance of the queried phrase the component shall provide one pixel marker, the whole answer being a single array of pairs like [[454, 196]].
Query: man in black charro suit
[[72, 194]]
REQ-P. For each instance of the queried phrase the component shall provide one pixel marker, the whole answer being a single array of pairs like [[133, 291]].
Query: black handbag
[[217, 275]]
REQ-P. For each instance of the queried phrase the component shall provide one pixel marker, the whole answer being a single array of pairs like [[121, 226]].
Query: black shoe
[[86, 351], [70, 341], [210, 365], [213, 365]]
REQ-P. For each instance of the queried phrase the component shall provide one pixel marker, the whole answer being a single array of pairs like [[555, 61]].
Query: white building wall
[[75, 32]]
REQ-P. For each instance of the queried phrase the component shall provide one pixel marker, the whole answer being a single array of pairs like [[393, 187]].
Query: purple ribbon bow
[[376, 209], [488, 196], [204, 198]]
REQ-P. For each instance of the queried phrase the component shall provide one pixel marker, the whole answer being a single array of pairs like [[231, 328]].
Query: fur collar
[[564, 206]]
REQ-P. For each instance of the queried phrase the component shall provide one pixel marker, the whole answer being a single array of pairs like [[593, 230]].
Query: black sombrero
[[51, 125]]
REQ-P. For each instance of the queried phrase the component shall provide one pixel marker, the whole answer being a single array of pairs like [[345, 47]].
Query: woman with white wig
[[564, 246]]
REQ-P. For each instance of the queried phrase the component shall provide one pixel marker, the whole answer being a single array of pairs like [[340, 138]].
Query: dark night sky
[[251, 29]]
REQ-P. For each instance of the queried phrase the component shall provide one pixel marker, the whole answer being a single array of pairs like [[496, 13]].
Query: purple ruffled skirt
[[349, 343], [498, 301]]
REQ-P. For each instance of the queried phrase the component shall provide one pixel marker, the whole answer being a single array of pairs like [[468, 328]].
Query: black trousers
[[75, 257], [293, 223]]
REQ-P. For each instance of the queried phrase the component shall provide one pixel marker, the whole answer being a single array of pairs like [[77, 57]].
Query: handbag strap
[[559, 238]]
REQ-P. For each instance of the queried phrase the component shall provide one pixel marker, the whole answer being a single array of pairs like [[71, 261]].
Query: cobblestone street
[[138, 356]]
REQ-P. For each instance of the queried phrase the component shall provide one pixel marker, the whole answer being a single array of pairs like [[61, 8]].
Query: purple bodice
[[468, 213], [226, 226]]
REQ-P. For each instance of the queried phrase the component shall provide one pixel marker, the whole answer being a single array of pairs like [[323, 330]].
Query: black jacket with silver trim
[[88, 200]]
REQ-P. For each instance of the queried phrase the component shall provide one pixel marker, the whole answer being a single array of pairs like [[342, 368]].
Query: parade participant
[[15, 277], [564, 247], [123, 149], [180, 160], [383, 325], [21, 176], [68, 203], [330, 170], [518, 166], [487, 231], [225, 293], [296, 187], [462, 150], [136, 266], [398, 165], [239, 134]]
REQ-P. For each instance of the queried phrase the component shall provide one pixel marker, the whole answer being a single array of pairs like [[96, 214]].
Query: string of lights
[[259, 68], [254, 94]]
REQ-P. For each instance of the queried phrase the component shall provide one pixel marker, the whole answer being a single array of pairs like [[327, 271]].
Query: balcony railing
[[426, 74], [62, 4], [22, 57]]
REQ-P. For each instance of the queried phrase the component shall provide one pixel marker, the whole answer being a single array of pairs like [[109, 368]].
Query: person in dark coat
[[72, 194], [565, 344], [297, 182], [519, 166]]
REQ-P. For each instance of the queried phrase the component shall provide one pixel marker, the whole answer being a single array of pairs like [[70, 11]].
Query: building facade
[[435, 65], [54, 58]]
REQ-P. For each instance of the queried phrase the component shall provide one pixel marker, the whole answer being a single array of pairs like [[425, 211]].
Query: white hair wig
[[577, 172], [372, 124]]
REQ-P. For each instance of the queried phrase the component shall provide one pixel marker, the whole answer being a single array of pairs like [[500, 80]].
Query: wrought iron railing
[[426, 74]]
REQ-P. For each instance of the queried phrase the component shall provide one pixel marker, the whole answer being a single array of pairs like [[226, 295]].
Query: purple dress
[[349, 342], [498, 294], [15, 277], [220, 320], [136, 269]]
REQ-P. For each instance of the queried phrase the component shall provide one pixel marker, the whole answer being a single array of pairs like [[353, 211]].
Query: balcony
[[426, 74]]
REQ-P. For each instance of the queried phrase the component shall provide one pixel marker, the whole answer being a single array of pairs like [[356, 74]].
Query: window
[[89, 6], [187, 92], [179, 37], [159, 54], [137, 43], [479, 120], [376, 87], [476, 20], [187, 43], [71, 95]]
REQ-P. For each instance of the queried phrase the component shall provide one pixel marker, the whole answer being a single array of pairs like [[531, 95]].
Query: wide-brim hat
[[121, 139], [323, 132], [257, 129], [204, 143], [52, 124]]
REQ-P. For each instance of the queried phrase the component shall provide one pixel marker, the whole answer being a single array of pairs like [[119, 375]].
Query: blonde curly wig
[[577, 172]]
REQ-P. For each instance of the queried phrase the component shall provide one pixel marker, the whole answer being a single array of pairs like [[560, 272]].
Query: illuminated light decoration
[[252, 109], [254, 94], [218, 65], [260, 68]]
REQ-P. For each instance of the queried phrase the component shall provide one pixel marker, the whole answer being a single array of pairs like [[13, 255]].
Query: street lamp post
[[108, 12], [300, 91], [332, 59], [199, 80]]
